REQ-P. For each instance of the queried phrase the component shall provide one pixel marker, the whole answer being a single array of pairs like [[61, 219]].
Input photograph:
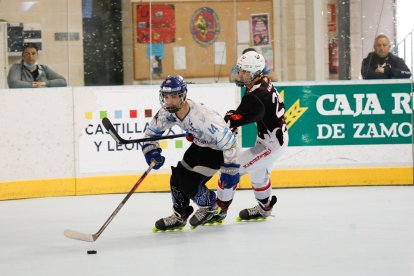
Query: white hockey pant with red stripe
[[258, 163]]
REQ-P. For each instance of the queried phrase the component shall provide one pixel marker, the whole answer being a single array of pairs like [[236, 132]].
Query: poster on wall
[[332, 18], [180, 62], [243, 31], [241, 48], [220, 53], [15, 37], [267, 52], [155, 23], [205, 26], [260, 29], [19, 34], [155, 53]]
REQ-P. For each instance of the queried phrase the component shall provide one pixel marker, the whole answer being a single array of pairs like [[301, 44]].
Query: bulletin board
[[165, 43]]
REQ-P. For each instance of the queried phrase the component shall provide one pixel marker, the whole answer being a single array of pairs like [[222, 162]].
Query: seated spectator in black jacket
[[381, 64], [29, 74]]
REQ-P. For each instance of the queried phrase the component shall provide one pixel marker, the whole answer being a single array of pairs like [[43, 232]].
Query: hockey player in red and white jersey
[[214, 147], [263, 105]]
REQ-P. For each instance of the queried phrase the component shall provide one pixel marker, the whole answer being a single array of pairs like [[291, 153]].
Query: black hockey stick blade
[[112, 131], [93, 237], [110, 128]]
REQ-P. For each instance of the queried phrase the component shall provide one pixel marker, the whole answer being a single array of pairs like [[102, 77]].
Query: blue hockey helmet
[[173, 85]]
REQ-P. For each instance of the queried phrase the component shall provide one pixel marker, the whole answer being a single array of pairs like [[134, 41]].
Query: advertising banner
[[130, 113], [130, 110], [354, 114], [341, 133]]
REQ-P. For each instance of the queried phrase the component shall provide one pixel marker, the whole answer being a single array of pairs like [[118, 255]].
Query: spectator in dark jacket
[[29, 74], [381, 64]]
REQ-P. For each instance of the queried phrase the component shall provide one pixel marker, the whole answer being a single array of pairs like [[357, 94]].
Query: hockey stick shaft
[[112, 131], [93, 237]]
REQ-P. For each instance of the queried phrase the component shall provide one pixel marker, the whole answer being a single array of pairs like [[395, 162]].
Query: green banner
[[345, 114]]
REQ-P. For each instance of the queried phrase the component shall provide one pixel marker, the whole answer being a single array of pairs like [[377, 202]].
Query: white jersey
[[205, 124]]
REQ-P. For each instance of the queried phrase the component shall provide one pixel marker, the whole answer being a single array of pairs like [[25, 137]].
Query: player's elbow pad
[[227, 141]]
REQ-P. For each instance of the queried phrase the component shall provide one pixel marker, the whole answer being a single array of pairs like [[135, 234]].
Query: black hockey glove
[[232, 116]]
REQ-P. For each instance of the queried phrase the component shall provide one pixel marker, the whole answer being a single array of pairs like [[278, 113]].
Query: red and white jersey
[[262, 105]]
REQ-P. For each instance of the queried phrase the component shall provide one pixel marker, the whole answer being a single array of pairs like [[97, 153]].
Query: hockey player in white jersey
[[263, 105], [214, 147]]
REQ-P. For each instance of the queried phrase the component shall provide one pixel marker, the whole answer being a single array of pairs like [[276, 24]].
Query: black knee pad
[[186, 181], [175, 179], [178, 195]]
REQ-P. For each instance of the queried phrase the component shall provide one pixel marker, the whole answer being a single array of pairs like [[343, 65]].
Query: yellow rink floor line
[[160, 182]]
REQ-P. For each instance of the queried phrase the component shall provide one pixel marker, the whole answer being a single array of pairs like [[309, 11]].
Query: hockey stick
[[93, 237], [112, 131]]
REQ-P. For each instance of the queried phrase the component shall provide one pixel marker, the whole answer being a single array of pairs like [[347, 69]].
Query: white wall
[[405, 22]]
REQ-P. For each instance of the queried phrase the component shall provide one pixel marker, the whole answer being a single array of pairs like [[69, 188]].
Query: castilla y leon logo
[[130, 123], [205, 26]]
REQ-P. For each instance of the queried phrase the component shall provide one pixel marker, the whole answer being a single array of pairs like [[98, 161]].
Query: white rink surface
[[351, 231]]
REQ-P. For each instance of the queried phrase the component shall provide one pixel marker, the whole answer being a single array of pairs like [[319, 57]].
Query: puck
[[91, 251]]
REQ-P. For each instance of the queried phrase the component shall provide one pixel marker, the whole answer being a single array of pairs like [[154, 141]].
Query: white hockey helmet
[[252, 63]]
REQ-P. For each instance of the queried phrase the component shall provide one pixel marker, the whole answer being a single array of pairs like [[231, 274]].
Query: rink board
[[55, 144], [160, 182]]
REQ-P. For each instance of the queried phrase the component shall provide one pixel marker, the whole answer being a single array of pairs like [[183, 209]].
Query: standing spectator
[[29, 74], [381, 64]]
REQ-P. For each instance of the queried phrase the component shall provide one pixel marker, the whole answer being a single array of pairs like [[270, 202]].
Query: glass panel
[[117, 42], [51, 26]]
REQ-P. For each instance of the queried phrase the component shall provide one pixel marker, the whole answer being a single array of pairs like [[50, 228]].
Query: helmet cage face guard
[[173, 109], [250, 63], [246, 81]]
